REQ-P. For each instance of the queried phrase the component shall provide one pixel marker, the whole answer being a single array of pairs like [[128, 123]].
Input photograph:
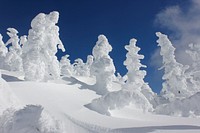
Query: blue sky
[[81, 21]]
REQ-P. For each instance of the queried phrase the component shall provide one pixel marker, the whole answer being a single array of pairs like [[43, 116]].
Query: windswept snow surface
[[64, 101]]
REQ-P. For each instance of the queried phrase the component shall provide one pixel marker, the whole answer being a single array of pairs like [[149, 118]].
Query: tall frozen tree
[[13, 58], [39, 59], [175, 79], [135, 76], [102, 67]]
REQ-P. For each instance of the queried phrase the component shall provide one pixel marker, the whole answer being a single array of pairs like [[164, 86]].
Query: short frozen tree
[[3, 48], [66, 67], [90, 60], [13, 58], [23, 40], [102, 67], [79, 67], [3, 52], [88, 64], [175, 79], [40, 61]]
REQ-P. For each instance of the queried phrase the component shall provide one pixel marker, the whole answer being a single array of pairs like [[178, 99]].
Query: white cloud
[[184, 24]]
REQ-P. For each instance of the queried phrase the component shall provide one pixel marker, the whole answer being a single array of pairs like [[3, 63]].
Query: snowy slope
[[65, 101]]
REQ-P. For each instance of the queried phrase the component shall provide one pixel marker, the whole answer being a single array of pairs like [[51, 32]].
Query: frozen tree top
[[12, 30], [167, 49], [41, 18], [132, 57], [102, 47]]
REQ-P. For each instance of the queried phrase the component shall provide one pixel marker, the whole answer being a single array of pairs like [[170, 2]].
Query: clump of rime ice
[[102, 67], [175, 79], [39, 60], [30, 119], [13, 60], [134, 92]]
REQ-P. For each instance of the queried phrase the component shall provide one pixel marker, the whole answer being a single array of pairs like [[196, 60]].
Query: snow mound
[[30, 119], [188, 107], [119, 99]]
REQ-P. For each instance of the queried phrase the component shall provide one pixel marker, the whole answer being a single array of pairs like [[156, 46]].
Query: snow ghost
[[40, 50], [175, 79], [102, 67]]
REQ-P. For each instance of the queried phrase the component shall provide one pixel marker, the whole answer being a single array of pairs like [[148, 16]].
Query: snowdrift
[[188, 107], [119, 99], [59, 107], [7, 97]]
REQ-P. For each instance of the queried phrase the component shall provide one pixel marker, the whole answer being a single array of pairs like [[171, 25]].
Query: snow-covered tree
[[3, 48], [135, 93], [194, 71], [88, 64], [3, 52], [13, 58], [175, 79], [39, 59], [79, 67], [135, 76], [102, 67], [133, 65], [66, 67], [23, 40]]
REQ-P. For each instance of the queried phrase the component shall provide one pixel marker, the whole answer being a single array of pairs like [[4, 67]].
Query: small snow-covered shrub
[[66, 67]]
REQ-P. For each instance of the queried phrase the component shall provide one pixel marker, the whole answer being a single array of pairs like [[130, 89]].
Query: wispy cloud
[[184, 24]]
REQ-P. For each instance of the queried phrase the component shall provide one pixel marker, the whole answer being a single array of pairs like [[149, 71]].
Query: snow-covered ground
[[62, 105]]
